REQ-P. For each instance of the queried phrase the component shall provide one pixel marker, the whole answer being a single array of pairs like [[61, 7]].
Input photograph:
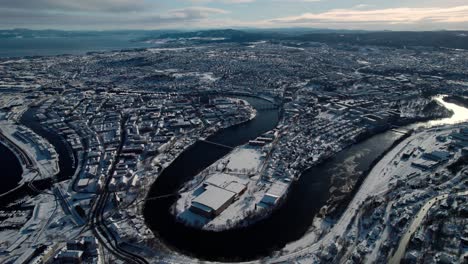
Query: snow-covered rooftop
[[214, 197]]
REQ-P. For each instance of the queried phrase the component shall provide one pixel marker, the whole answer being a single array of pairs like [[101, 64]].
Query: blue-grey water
[[49, 46]]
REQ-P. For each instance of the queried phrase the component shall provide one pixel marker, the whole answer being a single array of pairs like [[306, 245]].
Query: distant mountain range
[[229, 35], [435, 39]]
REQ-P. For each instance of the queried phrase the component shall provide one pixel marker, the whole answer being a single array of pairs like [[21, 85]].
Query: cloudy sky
[[194, 14]]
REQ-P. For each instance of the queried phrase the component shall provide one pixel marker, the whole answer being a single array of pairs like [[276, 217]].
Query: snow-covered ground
[[244, 160], [206, 77], [417, 220], [46, 166], [47, 225], [242, 165], [379, 181]]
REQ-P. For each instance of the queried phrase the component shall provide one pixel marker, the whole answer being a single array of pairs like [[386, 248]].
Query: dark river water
[[9, 163], [286, 224], [289, 222], [66, 157], [10, 169]]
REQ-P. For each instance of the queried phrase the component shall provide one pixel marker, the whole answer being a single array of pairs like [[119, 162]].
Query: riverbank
[[38, 157], [11, 170], [374, 184], [38, 161], [235, 174], [61, 169], [306, 197], [345, 193], [458, 100], [169, 154], [66, 157], [189, 163], [337, 206]]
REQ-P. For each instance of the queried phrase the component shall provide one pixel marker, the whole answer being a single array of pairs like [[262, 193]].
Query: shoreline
[[456, 99], [27, 155], [146, 188], [372, 134], [335, 205], [19, 166]]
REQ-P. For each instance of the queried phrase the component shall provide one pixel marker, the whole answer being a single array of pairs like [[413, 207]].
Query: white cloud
[[222, 1], [150, 14], [38, 18], [387, 16], [299, 1], [79, 5], [194, 12]]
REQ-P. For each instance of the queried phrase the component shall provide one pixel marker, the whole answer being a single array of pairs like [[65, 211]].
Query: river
[[286, 224], [460, 114], [66, 161], [10, 169]]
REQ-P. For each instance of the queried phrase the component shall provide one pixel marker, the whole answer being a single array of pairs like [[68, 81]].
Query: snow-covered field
[[243, 160], [242, 166]]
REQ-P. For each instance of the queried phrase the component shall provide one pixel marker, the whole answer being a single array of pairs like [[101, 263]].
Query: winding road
[[417, 220]]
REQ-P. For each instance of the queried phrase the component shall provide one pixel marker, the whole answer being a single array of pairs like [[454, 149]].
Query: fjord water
[[49, 46]]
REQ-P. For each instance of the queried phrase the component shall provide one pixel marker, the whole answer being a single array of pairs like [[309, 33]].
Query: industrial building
[[212, 201], [274, 195], [220, 190], [439, 156]]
